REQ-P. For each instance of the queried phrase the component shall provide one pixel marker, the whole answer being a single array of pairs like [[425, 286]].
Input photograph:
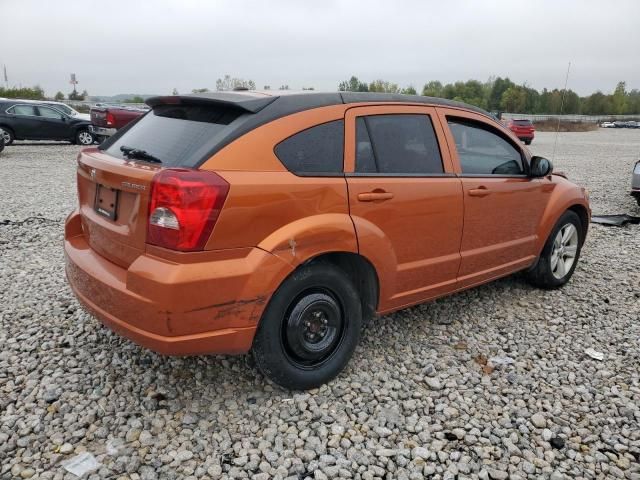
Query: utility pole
[[6, 79]]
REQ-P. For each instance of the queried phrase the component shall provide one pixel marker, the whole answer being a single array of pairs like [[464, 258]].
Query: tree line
[[37, 93], [496, 94], [501, 94]]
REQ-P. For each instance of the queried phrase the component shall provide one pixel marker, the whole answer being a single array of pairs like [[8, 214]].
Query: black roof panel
[[260, 108]]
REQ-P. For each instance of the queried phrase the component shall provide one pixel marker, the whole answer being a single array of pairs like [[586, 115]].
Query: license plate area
[[106, 202]]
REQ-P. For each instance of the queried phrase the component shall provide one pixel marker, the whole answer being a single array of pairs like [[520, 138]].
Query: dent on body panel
[[311, 236]]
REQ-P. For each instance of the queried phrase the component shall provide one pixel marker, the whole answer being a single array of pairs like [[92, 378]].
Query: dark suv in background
[[21, 120]]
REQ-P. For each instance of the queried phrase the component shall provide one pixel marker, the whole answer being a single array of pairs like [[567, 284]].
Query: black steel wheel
[[310, 328]]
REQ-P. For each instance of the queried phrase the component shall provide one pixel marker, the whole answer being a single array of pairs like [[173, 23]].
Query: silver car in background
[[635, 182]]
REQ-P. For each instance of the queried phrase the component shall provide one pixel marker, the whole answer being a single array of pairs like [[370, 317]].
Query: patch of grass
[[565, 126]]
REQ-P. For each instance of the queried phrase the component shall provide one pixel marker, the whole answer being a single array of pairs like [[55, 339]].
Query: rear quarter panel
[[293, 217]]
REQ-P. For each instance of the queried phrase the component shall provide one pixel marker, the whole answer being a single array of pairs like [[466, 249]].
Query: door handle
[[481, 191], [373, 196]]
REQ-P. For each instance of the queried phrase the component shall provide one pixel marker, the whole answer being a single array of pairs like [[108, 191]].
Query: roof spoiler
[[247, 103]]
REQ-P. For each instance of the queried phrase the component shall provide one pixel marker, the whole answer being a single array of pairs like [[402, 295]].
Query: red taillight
[[111, 120], [184, 207]]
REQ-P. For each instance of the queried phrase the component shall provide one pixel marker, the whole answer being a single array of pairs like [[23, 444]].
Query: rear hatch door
[[114, 186], [114, 197]]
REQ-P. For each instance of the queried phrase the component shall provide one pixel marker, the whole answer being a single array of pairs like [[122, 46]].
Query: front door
[[502, 204], [405, 201], [54, 124]]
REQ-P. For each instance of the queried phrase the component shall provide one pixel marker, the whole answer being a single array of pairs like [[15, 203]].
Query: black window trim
[[444, 173], [497, 132], [339, 174], [401, 175]]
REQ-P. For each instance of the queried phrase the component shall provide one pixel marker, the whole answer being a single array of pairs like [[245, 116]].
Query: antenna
[[564, 92]]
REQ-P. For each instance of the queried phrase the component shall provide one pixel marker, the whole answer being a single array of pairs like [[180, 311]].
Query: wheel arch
[[361, 272], [6, 127], [583, 214], [563, 199]]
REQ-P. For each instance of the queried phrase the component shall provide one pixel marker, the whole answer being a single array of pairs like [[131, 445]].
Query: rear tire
[[310, 328], [8, 135], [528, 141], [84, 138], [560, 254]]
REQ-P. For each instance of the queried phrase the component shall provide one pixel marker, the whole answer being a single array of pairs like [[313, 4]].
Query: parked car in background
[[607, 125], [28, 120], [64, 108], [229, 222], [523, 129], [107, 119], [635, 182]]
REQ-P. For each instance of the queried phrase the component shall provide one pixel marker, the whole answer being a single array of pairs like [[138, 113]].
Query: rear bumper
[[173, 308], [525, 136], [103, 132]]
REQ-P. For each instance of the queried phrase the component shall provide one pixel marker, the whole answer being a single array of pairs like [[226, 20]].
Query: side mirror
[[540, 167]]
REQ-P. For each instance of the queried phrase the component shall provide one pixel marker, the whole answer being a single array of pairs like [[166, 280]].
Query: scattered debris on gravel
[[497, 382]]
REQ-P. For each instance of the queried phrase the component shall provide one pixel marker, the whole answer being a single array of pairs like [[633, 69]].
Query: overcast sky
[[131, 46]]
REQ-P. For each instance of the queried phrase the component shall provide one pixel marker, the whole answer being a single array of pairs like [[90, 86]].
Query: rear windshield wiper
[[138, 154]]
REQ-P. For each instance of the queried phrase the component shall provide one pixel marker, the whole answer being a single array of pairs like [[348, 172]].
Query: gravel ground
[[418, 400]]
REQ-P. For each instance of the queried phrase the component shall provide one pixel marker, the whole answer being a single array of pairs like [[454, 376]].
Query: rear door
[[54, 125], [502, 204], [405, 201], [25, 121]]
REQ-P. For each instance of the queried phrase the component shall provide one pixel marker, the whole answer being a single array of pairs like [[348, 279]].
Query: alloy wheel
[[85, 138], [565, 249]]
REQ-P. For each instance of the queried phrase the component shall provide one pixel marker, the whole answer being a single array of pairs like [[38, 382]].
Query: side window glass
[[482, 151], [400, 144], [365, 161], [316, 150], [23, 110], [49, 112]]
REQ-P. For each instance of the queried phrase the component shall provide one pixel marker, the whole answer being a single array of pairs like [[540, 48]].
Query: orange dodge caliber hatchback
[[229, 222]]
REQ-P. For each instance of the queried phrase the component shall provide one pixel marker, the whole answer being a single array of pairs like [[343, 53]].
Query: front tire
[[84, 138], [310, 328], [560, 254]]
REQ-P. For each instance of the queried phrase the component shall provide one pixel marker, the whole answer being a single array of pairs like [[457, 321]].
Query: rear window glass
[[523, 122], [178, 135], [315, 151], [397, 144], [23, 110]]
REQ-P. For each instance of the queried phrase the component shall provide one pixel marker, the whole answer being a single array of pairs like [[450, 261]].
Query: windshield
[[177, 135]]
